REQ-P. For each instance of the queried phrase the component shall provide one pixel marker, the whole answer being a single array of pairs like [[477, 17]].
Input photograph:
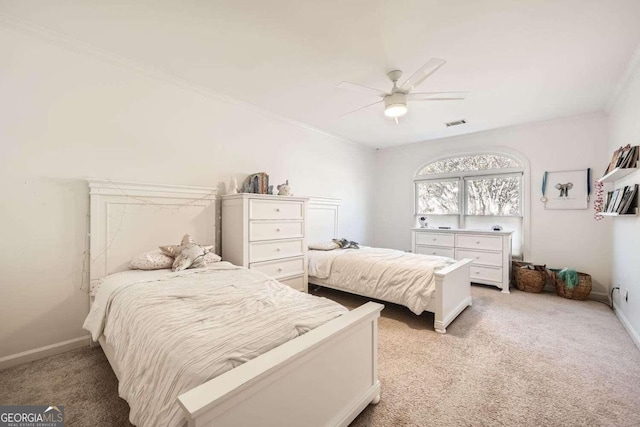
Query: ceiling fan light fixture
[[395, 110], [395, 105]]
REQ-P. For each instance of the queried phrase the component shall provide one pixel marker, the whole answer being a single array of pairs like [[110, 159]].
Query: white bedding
[[386, 274], [172, 331]]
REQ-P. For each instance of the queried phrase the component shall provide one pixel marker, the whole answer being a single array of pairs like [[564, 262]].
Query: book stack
[[622, 201], [624, 157]]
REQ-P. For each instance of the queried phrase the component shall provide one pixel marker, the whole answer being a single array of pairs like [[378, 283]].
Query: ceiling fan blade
[[419, 76], [437, 96], [363, 90], [361, 108]]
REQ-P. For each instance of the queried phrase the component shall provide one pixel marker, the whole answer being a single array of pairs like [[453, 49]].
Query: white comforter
[[386, 274], [174, 331]]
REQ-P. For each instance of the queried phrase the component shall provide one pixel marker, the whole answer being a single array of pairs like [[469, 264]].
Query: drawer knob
[[477, 256], [277, 249], [433, 253], [277, 229], [477, 272], [279, 269], [434, 239], [478, 242], [277, 209]]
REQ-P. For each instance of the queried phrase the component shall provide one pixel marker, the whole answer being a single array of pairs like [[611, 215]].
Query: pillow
[[156, 260], [324, 246], [187, 254], [152, 260], [346, 244]]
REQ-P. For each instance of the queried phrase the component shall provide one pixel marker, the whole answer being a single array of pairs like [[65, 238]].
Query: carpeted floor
[[509, 360]]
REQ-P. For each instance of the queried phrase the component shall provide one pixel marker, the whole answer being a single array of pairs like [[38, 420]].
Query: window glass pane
[[437, 197], [493, 195], [478, 162]]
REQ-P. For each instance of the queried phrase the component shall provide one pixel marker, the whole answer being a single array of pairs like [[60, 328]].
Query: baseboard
[[41, 352], [599, 296], [632, 332]]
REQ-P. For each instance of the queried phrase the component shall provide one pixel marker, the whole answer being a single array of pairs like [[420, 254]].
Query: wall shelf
[[617, 173], [635, 213]]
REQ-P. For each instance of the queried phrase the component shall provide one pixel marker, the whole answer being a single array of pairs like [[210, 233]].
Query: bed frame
[[453, 283], [325, 377]]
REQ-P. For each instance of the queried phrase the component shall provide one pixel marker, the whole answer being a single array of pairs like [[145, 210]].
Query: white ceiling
[[522, 60]]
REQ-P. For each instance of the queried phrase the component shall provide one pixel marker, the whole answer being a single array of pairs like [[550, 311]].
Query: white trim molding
[[42, 352], [635, 337]]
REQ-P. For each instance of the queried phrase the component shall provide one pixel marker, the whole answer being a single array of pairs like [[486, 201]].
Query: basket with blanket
[[572, 284], [529, 278]]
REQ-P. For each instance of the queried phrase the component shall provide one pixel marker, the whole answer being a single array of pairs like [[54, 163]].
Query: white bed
[[420, 282], [324, 377]]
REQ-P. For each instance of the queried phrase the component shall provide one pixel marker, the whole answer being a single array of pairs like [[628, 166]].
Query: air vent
[[456, 123]]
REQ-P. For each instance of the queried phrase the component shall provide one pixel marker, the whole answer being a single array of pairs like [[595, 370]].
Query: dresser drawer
[[434, 250], [268, 209], [480, 257], [472, 241], [296, 283], [434, 239], [281, 268], [486, 273], [268, 250], [275, 230]]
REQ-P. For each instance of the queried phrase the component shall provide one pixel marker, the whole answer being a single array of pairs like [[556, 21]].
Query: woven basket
[[580, 292], [529, 280]]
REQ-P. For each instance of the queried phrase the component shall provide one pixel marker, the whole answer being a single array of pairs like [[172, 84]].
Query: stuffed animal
[[346, 244], [187, 254], [284, 189]]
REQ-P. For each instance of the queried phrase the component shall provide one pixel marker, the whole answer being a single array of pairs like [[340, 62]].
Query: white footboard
[[323, 378], [453, 293]]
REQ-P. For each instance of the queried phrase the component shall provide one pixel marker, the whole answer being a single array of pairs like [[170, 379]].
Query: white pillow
[[152, 260], [324, 246], [156, 260]]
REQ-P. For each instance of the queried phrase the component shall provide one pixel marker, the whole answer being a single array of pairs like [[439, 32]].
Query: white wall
[[624, 128], [68, 113], [559, 238]]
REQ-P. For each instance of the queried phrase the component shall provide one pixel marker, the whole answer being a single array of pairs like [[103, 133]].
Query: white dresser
[[489, 250], [267, 233]]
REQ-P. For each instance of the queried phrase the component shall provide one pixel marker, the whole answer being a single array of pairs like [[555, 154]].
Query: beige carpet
[[509, 360]]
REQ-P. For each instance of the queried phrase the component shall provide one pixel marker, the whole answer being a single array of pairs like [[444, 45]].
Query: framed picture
[[567, 190]]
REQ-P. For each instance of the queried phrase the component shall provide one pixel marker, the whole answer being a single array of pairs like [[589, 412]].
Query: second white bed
[[386, 274], [422, 283]]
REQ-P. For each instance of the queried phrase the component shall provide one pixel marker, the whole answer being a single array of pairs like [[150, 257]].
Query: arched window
[[472, 191]]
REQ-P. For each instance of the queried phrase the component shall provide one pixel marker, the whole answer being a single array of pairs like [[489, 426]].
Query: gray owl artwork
[[564, 188]]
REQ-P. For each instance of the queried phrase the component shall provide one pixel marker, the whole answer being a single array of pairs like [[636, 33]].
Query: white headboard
[[322, 219], [129, 218]]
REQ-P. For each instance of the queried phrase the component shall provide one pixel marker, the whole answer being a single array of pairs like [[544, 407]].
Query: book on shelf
[[624, 156], [614, 200], [625, 193], [629, 205], [608, 202], [633, 157], [614, 160]]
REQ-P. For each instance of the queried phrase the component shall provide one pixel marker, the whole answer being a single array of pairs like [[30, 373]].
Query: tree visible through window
[[437, 197]]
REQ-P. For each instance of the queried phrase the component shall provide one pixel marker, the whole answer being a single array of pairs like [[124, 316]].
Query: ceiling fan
[[395, 102]]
